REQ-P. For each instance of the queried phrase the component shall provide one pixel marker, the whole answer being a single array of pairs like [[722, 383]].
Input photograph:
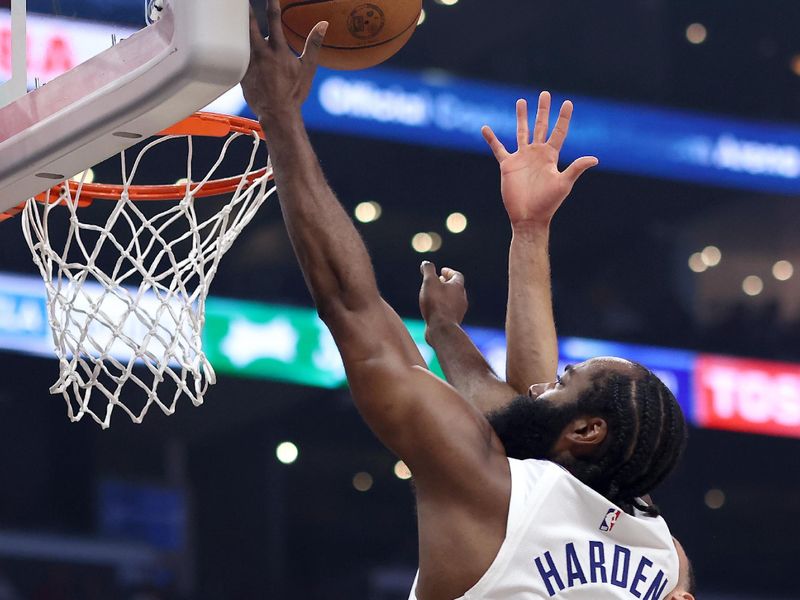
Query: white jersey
[[566, 541]]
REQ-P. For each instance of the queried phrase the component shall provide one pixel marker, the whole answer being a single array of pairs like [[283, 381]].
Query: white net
[[126, 298]]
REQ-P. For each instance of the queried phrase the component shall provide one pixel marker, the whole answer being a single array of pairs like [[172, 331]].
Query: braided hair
[[646, 436]]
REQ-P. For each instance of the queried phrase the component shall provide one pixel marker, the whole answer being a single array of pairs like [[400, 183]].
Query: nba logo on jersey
[[610, 519]]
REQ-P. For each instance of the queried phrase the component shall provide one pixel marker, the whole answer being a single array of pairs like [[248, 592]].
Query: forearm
[[530, 326], [466, 369], [332, 255]]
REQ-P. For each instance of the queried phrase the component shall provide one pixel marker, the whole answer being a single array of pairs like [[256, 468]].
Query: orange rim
[[200, 124]]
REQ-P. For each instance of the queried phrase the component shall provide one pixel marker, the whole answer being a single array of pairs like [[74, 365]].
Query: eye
[[558, 380]]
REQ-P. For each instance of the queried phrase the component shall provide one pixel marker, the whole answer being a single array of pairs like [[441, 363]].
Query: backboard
[[143, 82]]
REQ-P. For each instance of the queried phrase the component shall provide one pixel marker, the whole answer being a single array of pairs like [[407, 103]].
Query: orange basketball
[[360, 35]]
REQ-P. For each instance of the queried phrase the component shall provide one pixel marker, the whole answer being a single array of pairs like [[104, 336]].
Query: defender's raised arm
[[443, 303], [533, 189]]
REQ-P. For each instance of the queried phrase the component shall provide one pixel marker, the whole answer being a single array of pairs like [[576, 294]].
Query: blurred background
[[678, 251]]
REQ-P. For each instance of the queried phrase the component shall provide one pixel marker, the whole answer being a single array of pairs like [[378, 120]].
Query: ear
[[585, 434]]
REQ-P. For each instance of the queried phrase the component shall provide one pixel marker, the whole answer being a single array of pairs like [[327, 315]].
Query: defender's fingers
[[523, 130], [428, 270], [500, 152], [562, 126], [274, 20], [579, 167], [542, 119], [453, 276], [314, 41]]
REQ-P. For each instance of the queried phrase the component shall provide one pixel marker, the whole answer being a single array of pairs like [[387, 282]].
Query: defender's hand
[[532, 186], [277, 83], [442, 298]]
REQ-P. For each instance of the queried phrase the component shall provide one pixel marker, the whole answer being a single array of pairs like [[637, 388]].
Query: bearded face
[[529, 427]]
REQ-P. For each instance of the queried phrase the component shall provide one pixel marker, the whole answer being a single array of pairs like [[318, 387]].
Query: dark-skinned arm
[[443, 303], [533, 189], [419, 417]]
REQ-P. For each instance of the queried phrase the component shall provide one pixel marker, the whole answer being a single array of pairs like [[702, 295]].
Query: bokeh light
[[86, 176], [456, 223], [795, 64], [401, 470], [696, 263], [715, 499], [287, 452], [753, 285], [782, 270], [696, 33], [362, 481], [711, 256], [368, 212], [422, 242]]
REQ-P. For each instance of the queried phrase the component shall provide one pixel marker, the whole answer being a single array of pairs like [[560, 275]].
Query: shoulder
[[531, 479], [534, 470]]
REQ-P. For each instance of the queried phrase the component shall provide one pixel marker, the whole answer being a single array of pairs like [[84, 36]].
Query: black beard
[[529, 428]]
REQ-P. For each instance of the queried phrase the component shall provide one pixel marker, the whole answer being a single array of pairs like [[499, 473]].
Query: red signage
[[748, 395]]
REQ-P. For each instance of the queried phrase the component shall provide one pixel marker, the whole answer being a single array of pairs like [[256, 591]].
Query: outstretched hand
[[442, 298], [532, 187], [277, 82]]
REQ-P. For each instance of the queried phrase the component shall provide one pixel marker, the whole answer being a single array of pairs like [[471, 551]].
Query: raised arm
[[443, 303], [423, 420], [533, 189]]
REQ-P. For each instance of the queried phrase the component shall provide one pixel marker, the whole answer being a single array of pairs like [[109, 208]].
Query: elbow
[[329, 309], [335, 307]]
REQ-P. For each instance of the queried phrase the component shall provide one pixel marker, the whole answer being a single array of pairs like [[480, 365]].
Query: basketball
[[361, 34]]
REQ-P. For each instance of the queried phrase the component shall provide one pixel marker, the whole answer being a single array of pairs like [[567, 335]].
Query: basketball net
[[137, 320]]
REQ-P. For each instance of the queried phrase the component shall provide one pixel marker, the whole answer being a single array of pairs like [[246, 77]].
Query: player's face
[[532, 426], [576, 379]]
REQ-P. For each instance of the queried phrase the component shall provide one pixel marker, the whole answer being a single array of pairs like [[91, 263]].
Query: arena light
[[287, 452], [422, 242], [795, 64], [711, 256], [401, 470], [447, 2], [456, 223], [422, 17], [715, 499], [696, 33], [753, 285], [368, 212], [696, 263], [783, 270], [86, 176], [362, 481]]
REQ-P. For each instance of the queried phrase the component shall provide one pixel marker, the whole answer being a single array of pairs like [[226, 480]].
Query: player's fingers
[[274, 20], [562, 126], [579, 167], [453, 276], [542, 119], [500, 152], [314, 41], [523, 130], [428, 270], [256, 37]]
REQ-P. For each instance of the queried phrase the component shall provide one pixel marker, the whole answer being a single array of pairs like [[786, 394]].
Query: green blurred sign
[[283, 343]]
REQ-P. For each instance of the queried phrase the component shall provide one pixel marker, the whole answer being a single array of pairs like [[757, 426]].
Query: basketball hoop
[[131, 291]]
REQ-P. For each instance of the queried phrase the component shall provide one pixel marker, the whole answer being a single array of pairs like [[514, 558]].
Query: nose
[[537, 389]]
